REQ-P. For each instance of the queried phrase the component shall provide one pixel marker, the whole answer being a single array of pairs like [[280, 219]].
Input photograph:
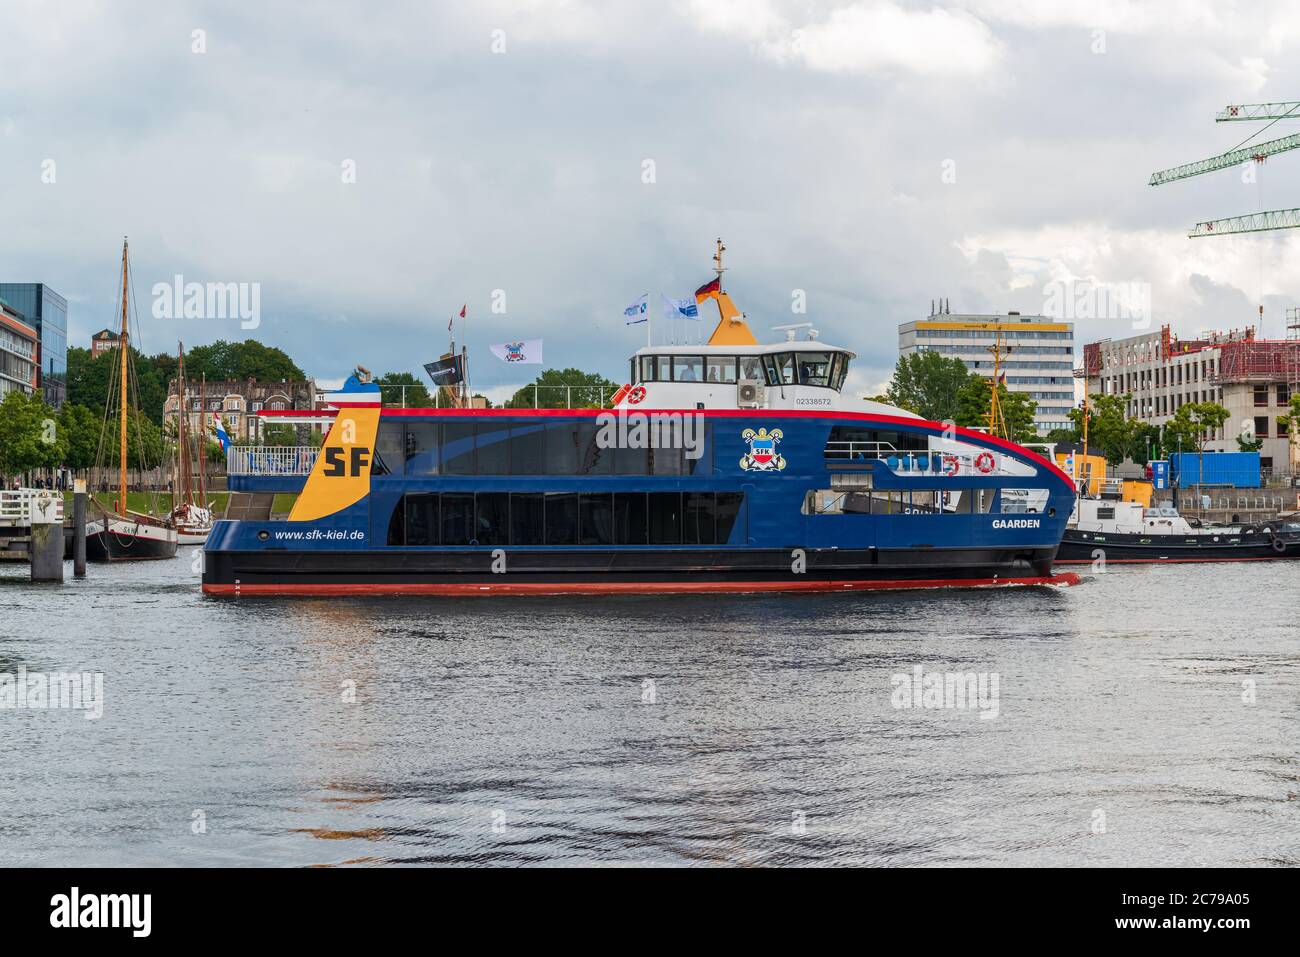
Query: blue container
[[1232, 469]]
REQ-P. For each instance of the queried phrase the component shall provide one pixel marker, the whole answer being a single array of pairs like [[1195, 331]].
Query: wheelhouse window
[[720, 368], [751, 367], [787, 371], [815, 368], [688, 368]]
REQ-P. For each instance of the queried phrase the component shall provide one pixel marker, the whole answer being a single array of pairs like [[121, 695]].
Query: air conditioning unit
[[749, 393]]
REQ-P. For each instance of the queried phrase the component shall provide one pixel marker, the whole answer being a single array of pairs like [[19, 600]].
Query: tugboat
[[1116, 531], [115, 535], [726, 467]]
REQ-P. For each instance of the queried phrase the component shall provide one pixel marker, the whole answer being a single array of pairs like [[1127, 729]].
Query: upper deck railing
[[903, 462], [270, 460], [17, 506]]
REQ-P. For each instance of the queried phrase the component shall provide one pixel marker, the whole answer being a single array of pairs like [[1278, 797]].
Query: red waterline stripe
[[628, 588]]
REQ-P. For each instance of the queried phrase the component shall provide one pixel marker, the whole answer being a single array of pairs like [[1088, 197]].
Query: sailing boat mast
[[203, 442], [997, 422], [122, 349], [183, 467]]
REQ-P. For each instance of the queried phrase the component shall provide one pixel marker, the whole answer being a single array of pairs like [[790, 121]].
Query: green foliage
[[1017, 408], [587, 390], [145, 448], [1245, 444], [249, 359], [929, 385], [1291, 421], [1187, 431], [416, 393], [29, 434], [80, 427]]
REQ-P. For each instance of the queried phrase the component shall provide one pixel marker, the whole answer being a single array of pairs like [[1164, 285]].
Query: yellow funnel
[[732, 330]]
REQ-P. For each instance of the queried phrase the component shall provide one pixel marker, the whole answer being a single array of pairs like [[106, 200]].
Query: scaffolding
[[1260, 360]]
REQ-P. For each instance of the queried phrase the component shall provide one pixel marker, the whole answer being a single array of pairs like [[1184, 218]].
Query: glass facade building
[[47, 312]]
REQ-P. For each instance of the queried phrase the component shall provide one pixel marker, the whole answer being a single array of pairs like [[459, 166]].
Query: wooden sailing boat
[[120, 534], [192, 518]]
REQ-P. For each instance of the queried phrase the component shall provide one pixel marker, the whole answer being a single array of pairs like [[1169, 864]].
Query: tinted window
[[814, 368], [629, 518], [597, 516], [786, 367], [397, 523], [458, 448], [422, 520], [561, 449], [628, 461], [457, 518], [492, 518], [726, 512], [561, 518], [666, 461], [592, 459], [697, 515], [493, 449], [751, 367], [422, 448], [665, 518], [389, 449], [769, 370], [526, 519], [528, 449]]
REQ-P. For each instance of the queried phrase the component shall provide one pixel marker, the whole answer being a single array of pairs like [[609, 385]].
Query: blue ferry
[[727, 467]]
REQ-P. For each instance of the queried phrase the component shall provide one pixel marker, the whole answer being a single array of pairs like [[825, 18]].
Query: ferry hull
[[618, 572]]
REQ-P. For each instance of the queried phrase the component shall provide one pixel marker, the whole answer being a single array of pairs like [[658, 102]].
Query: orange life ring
[[636, 395], [985, 462], [951, 465]]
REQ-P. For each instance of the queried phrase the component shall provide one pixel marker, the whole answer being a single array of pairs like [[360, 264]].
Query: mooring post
[[46, 542], [79, 528]]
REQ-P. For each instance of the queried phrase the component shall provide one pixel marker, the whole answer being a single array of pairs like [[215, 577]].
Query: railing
[[541, 396], [917, 462], [270, 460], [17, 506]]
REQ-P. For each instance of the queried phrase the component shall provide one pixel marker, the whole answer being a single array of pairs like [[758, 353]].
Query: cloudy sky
[[574, 155]]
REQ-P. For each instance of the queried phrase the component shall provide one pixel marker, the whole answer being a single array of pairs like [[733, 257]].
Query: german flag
[[709, 290]]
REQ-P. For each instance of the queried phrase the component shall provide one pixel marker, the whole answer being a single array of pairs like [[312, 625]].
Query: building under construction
[[1252, 378]]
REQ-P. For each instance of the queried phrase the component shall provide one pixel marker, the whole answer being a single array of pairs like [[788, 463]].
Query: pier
[[31, 530]]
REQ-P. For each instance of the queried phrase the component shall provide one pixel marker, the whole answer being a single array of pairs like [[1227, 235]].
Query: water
[[514, 731]]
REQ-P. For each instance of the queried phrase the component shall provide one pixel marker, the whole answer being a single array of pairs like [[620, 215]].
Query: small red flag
[[462, 310]]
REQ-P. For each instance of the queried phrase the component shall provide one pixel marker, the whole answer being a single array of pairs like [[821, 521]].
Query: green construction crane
[[1253, 223], [1259, 111], [1257, 152]]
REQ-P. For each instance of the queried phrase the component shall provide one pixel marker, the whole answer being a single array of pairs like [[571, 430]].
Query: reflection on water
[[724, 730]]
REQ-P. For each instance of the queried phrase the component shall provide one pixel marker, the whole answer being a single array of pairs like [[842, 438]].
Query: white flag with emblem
[[519, 352]]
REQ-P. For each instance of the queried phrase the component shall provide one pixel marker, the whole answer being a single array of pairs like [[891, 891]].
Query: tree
[[1017, 408], [29, 434], [249, 359], [928, 384], [565, 388], [414, 396], [80, 427], [1193, 425]]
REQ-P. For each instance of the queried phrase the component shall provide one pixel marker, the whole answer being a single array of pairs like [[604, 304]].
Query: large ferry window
[[841, 370], [528, 449], [629, 518], [457, 517], [596, 517], [751, 367], [665, 518], [815, 368], [666, 461], [688, 368], [697, 519], [647, 368], [726, 512], [526, 518], [422, 519], [720, 368], [422, 448], [561, 449], [493, 441], [769, 370], [561, 518], [397, 523], [593, 460], [390, 449], [628, 461], [458, 448], [492, 518]]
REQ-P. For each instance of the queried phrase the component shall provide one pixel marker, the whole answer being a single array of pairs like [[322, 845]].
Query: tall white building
[[1038, 355]]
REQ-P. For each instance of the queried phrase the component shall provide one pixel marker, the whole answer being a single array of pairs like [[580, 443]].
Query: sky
[[373, 166]]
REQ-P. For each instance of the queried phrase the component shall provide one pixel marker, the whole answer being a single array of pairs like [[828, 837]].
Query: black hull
[[597, 570], [1086, 547], [117, 545]]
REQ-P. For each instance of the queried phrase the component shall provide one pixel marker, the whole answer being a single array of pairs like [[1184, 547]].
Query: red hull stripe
[[627, 588]]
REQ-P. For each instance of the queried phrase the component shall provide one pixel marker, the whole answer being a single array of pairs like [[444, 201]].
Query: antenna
[[790, 330], [717, 259]]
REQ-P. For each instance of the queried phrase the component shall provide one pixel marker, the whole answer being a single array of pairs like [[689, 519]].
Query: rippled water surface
[[731, 730]]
